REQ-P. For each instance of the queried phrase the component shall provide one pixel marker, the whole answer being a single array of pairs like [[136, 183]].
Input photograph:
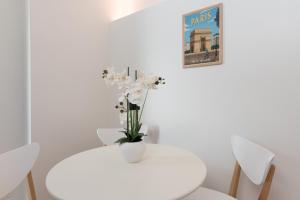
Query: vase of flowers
[[134, 92]]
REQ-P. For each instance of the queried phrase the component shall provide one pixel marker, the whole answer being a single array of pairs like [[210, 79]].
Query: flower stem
[[144, 104], [137, 110], [127, 116], [131, 123], [128, 109]]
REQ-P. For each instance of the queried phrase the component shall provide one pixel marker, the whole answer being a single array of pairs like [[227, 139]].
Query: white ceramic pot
[[133, 152]]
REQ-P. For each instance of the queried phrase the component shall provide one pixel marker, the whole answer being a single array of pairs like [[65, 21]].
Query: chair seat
[[208, 194]]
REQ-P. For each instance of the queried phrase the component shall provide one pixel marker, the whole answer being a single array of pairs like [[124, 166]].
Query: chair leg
[[267, 185], [31, 186], [235, 180]]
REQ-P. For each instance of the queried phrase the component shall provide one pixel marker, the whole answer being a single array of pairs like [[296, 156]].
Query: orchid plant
[[134, 92]]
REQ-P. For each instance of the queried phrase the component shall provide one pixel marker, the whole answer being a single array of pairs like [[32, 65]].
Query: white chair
[[15, 166], [254, 160], [109, 136]]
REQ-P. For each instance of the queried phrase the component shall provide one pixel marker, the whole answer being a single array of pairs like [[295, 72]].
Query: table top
[[165, 173]]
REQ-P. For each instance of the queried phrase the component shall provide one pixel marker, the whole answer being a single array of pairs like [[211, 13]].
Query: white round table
[[165, 173]]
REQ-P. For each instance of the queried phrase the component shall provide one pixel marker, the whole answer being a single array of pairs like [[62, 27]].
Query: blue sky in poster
[[210, 23]]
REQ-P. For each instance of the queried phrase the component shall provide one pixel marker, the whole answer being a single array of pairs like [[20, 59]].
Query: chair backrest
[[109, 136], [255, 161], [15, 165]]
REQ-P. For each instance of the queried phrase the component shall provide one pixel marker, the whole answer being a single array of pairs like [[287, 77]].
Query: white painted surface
[[122, 8], [69, 99], [15, 166], [12, 78], [254, 159], [28, 73], [255, 93], [12, 74], [164, 173]]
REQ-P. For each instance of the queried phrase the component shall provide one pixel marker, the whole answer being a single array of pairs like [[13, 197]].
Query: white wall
[[12, 76], [122, 8], [255, 93], [69, 48]]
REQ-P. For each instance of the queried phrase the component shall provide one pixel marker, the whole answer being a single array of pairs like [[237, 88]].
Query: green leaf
[[122, 140], [125, 132]]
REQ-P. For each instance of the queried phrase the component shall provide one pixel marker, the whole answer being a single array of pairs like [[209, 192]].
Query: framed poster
[[203, 37]]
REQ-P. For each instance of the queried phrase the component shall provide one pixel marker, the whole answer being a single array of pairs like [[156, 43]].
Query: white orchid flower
[[133, 91], [124, 82], [136, 93], [113, 78], [123, 117], [122, 98], [149, 82], [109, 75]]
